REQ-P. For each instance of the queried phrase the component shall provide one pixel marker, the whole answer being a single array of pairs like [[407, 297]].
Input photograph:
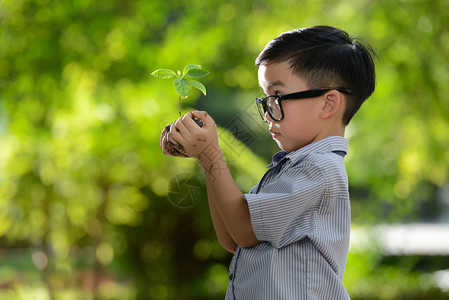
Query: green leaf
[[197, 73], [190, 67], [163, 73], [199, 86], [182, 86]]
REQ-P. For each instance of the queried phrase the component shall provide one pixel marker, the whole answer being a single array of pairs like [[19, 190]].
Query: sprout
[[183, 81]]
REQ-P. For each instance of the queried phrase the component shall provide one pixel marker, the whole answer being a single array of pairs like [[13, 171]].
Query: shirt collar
[[328, 144]]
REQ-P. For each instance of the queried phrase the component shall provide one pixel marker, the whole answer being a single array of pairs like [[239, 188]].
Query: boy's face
[[301, 123]]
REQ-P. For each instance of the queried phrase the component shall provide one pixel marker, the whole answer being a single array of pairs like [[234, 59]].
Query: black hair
[[326, 56]]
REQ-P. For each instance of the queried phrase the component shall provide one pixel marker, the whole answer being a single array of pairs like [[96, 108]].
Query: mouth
[[274, 133]]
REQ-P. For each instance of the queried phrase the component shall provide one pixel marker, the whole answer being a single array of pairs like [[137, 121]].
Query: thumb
[[204, 116]]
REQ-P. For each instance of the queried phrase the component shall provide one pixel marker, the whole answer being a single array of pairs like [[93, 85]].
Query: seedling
[[183, 81]]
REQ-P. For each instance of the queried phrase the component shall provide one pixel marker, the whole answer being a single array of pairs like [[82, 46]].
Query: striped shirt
[[300, 212]]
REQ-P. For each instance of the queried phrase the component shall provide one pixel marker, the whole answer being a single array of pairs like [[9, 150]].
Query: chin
[[283, 147], [288, 148]]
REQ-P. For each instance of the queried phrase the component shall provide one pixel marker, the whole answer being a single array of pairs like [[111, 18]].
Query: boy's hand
[[193, 140], [168, 148]]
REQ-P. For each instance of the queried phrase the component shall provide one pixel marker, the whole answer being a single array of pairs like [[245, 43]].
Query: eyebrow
[[273, 84]]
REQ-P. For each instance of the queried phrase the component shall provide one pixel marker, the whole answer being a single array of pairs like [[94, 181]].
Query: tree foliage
[[84, 187]]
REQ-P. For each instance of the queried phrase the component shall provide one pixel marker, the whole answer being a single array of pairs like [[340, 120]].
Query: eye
[[278, 94]]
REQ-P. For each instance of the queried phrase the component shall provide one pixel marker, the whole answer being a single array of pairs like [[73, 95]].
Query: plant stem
[[180, 106]]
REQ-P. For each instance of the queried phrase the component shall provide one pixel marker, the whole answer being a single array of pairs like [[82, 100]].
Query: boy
[[290, 233]]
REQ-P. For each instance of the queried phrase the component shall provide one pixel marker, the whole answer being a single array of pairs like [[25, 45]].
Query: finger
[[163, 135], [171, 138], [174, 144], [165, 146], [179, 148], [175, 152], [181, 128], [189, 123], [198, 134], [169, 148], [205, 117], [178, 153], [174, 138]]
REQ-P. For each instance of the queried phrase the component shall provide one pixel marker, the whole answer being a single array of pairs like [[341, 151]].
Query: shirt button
[[231, 276]]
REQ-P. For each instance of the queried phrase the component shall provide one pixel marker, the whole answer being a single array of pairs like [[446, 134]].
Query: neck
[[334, 129]]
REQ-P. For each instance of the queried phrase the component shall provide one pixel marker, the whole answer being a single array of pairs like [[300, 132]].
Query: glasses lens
[[270, 104], [261, 107], [274, 108]]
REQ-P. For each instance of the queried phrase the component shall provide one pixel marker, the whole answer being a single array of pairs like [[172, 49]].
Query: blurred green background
[[91, 209]]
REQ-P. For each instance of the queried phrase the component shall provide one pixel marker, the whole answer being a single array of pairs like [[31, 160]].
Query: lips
[[274, 133]]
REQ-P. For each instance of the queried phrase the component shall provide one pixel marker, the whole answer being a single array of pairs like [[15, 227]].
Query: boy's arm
[[225, 239], [202, 143], [229, 201], [222, 232]]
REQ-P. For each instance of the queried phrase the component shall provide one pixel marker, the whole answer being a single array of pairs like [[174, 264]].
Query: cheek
[[300, 110], [300, 120]]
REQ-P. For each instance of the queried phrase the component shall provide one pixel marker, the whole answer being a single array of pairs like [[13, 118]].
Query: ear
[[332, 103]]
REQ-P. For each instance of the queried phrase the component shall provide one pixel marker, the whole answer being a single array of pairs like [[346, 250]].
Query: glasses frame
[[293, 96]]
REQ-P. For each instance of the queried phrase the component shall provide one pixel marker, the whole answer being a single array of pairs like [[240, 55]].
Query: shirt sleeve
[[285, 209]]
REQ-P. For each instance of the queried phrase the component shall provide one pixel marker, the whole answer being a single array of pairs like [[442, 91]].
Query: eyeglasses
[[272, 104]]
